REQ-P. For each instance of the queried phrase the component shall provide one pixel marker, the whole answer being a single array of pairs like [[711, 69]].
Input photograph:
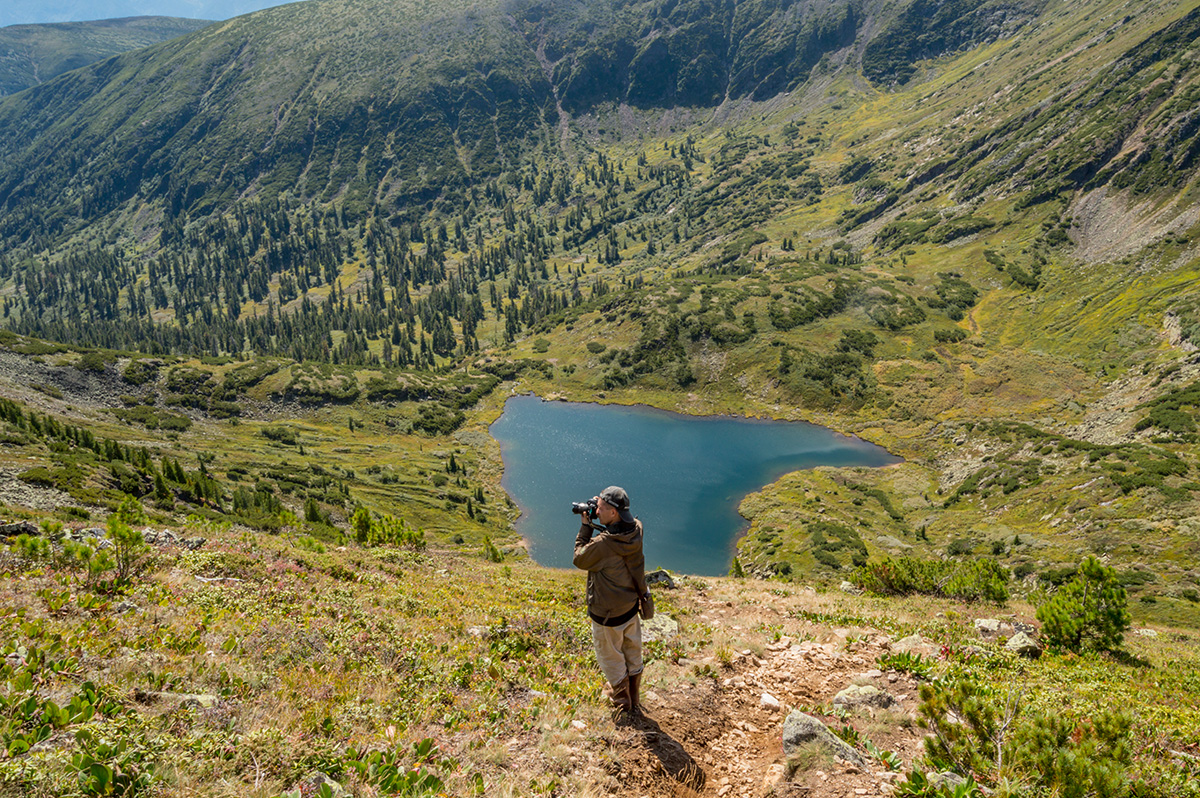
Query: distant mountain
[[33, 54], [388, 102]]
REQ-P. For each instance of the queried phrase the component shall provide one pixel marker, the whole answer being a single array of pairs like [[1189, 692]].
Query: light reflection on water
[[685, 475]]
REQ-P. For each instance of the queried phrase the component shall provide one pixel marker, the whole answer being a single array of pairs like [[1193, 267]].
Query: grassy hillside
[[274, 279], [235, 663], [33, 54], [833, 254]]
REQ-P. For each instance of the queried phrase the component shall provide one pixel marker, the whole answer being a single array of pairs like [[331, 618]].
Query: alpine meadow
[[265, 283]]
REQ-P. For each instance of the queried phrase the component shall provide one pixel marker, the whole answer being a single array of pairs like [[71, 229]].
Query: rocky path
[[716, 725]]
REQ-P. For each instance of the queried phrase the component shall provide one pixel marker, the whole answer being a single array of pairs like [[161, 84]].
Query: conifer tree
[[1090, 613]]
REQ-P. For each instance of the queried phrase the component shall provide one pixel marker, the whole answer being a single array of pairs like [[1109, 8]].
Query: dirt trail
[[708, 730]]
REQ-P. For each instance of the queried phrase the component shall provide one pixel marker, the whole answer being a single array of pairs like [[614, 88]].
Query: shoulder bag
[[645, 599]]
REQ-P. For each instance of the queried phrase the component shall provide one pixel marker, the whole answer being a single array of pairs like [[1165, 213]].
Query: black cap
[[619, 499]]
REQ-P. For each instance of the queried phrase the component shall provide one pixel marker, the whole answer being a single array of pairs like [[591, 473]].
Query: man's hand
[[587, 517]]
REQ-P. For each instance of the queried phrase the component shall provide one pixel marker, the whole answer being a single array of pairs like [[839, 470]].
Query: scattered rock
[[775, 774], [156, 537], [193, 543], [946, 778], [1024, 645], [889, 542], [660, 577], [14, 528], [987, 627], [1145, 632], [201, 700], [312, 783], [91, 535], [864, 695], [660, 627], [849, 587], [800, 729], [915, 644], [770, 702]]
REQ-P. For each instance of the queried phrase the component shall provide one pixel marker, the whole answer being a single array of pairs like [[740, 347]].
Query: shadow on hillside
[[676, 762]]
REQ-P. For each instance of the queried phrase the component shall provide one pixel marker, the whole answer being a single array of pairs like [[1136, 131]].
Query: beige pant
[[619, 649]]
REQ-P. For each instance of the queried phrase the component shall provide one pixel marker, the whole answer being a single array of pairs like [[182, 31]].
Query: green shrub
[[32, 549], [951, 336], [906, 662], [976, 732], [91, 361], [436, 419], [282, 435], [959, 547], [130, 550], [972, 580], [139, 372], [1088, 613], [384, 530]]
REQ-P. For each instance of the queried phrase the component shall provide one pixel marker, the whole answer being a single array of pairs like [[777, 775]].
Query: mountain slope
[[958, 266], [397, 102], [33, 54]]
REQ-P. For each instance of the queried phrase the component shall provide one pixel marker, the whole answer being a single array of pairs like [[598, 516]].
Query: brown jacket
[[609, 557]]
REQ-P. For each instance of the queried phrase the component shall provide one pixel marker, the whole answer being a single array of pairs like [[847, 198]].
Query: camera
[[589, 507]]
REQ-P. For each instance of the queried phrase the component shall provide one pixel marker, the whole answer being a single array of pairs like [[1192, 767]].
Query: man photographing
[[616, 579]]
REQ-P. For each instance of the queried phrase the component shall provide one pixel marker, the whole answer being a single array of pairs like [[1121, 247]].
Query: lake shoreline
[[702, 467]]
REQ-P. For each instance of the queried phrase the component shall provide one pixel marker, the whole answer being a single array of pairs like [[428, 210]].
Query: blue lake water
[[685, 475]]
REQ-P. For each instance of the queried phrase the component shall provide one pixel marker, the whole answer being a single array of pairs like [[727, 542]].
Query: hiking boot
[[618, 694], [635, 690]]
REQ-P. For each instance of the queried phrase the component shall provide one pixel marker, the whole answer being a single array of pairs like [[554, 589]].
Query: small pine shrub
[[32, 549], [130, 550], [977, 732], [1089, 613]]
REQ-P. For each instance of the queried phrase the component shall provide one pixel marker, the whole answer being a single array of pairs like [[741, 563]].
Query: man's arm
[[587, 551]]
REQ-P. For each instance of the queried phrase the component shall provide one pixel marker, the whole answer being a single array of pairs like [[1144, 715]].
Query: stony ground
[[713, 725]]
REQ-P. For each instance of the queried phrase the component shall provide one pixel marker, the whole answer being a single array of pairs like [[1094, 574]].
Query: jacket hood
[[627, 542]]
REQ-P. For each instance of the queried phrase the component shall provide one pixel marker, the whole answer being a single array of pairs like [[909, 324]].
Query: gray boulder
[[1024, 645], [660, 627], [864, 695], [947, 778], [157, 537], [11, 530], [800, 729], [915, 644], [198, 700], [987, 627], [660, 577]]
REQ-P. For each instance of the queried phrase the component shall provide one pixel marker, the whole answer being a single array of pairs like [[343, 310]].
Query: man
[[616, 578]]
